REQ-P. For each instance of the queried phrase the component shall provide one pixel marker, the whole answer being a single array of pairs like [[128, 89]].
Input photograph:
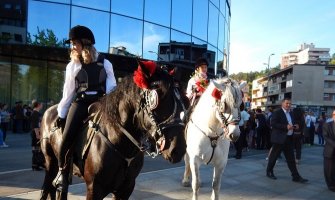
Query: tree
[[45, 38], [332, 60]]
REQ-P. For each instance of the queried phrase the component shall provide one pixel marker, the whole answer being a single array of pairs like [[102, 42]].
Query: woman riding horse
[[88, 77]]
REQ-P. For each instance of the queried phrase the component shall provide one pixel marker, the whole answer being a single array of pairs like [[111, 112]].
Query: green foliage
[[250, 76], [45, 38], [332, 60]]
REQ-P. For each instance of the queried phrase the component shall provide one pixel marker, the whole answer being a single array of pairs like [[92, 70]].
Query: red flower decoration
[[216, 94], [201, 85], [140, 77]]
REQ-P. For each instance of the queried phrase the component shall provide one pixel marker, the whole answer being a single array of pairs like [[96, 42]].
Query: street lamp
[[268, 69], [159, 58]]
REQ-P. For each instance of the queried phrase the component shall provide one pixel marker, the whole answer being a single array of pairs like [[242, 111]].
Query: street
[[16, 175]]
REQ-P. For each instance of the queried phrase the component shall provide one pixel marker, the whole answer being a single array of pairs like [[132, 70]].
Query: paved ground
[[243, 179]]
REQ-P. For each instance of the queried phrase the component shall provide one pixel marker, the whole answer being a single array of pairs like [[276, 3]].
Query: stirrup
[[60, 182]]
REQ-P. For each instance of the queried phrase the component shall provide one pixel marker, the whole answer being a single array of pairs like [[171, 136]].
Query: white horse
[[212, 125]]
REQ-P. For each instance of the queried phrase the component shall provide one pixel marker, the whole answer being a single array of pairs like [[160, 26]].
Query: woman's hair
[[88, 55]]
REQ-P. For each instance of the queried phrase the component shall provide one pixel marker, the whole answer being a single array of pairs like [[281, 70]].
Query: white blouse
[[69, 92]]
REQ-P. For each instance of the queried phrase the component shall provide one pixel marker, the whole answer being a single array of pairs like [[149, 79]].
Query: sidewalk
[[243, 179]]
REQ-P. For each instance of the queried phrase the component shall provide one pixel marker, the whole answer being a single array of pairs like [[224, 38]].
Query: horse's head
[[228, 98], [162, 104]]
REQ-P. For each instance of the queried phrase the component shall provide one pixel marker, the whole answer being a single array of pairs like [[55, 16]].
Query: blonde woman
[[88, 77]]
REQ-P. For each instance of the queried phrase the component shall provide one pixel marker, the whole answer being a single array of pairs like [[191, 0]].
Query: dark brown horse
[[140, 115]]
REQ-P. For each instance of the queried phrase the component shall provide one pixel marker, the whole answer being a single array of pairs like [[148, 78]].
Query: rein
[[213, 140], [95, 125]]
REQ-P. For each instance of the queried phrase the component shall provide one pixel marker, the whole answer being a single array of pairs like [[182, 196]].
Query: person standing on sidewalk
[[38, 157], [329, 153], [282, 140]]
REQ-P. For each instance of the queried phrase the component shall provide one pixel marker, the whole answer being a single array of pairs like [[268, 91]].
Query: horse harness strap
[[213, 140], [94, 124]]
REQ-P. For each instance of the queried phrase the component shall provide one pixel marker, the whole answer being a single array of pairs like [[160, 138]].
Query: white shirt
[[69, 92], [244, 117], [190, 86], [289, 119]]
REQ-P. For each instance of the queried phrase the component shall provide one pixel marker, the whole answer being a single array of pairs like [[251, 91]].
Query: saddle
[[84, 136]]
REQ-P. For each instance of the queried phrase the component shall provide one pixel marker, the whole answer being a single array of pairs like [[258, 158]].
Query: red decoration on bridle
[[216, 94], [140, 77]]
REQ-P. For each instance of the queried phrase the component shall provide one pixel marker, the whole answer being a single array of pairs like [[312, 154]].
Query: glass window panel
[[59, 1], [216, 2], [182, 15], [5, 68], [30, 80], [126, 32], [221, 36], [97, 4], [180, 37], [89, 18], [128, 7], [211, 56], [221, 62], [213, 25], [158, 11], [199, 49], [200, 19], [223, 6], [40, 14], [180, 46], [153, 36], [55, 74]]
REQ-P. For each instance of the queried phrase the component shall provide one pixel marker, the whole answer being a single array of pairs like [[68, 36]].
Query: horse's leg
[[194, 165], [51, 168], [186, 179], [216, 184], [94, 192]]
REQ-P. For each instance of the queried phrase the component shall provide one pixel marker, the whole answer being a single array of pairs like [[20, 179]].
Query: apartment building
[[306, 54], [311, 87]]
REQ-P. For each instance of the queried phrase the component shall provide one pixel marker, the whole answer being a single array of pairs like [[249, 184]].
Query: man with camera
[[282, 140]]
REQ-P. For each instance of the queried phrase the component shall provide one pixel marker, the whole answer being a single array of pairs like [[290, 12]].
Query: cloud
[[243, 59]]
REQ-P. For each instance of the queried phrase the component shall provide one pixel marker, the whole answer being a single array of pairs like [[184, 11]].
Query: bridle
[[148, 105], [225, 120]]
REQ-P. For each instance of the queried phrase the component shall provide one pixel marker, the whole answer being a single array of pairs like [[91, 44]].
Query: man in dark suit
[[282, 140], [329, 153]]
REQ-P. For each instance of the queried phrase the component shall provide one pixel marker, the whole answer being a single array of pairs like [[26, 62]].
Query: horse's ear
[[148, 67], [144, 71], [218, 84], [243, 84]]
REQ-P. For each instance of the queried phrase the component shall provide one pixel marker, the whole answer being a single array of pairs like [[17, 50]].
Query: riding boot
[[61, 182]]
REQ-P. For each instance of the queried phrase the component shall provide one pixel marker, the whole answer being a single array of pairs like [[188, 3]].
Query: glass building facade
[[138, 27]]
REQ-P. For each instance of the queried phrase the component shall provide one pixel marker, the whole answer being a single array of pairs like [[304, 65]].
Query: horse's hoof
[[186, 184]]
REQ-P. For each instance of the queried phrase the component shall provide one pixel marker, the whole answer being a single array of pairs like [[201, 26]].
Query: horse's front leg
[[216, 184], [186, 179], [194, 165]]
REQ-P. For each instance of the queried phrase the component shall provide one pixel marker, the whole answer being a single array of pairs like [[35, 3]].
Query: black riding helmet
[[80, 32], [201, 61]]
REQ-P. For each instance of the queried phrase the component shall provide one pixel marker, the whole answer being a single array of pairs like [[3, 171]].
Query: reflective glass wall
[[141, 26]]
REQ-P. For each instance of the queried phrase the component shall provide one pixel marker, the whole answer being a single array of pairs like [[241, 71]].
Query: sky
[[262, 27]]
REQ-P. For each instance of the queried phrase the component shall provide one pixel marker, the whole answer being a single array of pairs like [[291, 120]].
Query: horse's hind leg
[[51, 169], [186, 179]]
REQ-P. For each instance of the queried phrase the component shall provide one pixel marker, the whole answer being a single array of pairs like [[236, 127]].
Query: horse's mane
[[126, 93], [231, 92]]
